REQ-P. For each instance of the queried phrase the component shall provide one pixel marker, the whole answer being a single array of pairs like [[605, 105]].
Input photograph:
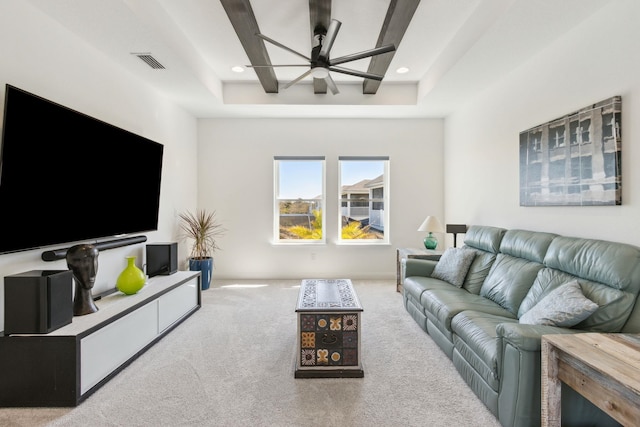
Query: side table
[[403, 254], [602, 367]]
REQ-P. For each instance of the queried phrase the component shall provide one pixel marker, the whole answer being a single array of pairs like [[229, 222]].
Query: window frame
[[372, 201], [277, 199]]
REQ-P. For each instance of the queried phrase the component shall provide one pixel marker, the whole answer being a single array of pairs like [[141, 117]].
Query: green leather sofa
[[477, 325]]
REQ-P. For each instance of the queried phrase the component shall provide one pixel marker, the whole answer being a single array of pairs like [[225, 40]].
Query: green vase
[[430, 242], [132, 279]]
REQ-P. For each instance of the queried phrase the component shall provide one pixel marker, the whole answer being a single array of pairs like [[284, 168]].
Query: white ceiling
[[453, 48]]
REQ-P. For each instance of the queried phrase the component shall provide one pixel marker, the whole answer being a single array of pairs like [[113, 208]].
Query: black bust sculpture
[[82, 260]]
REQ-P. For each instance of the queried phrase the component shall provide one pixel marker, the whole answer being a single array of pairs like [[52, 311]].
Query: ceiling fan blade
[[356, 73], [329, 38], [364, 54], [280, 45], [297, 79], [331, 85], [271, 66]]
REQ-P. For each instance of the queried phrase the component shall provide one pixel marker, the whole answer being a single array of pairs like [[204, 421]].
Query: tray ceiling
[[453, 49]]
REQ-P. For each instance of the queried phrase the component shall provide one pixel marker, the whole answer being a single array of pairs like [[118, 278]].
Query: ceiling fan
[[321, 64]]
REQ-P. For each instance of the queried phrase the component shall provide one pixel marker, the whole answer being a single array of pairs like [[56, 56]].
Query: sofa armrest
[[419, 267], [519, 395], [520, 380], [528, 337]]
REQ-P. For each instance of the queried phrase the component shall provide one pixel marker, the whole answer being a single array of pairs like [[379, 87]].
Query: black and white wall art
[[574, 160]]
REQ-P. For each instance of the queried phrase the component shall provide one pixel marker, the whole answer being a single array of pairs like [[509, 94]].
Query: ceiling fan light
[[319, 72]]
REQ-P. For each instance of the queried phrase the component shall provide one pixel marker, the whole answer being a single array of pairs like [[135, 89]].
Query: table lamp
[[432, 225]]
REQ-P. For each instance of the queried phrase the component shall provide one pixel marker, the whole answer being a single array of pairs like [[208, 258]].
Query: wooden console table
[[404, 253], [604, 368]]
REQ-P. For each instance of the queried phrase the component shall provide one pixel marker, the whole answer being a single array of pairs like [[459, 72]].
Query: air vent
[[150, 60]]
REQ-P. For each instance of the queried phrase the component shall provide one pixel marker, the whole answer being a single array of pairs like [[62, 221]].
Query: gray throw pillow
[[565, 306], [454, 265]]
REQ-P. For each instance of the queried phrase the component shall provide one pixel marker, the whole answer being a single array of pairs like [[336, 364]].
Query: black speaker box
[[37, 301], [162, 258]]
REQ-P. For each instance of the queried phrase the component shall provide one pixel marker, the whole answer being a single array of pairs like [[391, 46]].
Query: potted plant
[[203, 228]]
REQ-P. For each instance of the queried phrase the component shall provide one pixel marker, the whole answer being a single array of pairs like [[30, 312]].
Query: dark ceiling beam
[[246, 27], [398, 17], [319, 20]]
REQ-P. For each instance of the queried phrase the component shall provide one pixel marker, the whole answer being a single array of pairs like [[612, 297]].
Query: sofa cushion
[[509, 281], [546, 280], [530, 245], [441, 305], [416, 285], [476, 339], [454, 265], [565, 306], [614, 264], [614, 304], [516, 266], [485, 242], [614, 308], [484, 238], [479, 270]]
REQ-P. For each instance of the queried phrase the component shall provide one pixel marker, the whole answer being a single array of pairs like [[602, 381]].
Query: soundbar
[[61, 253]]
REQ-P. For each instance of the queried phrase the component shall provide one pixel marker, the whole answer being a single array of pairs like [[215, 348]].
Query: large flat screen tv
[[68, 177]]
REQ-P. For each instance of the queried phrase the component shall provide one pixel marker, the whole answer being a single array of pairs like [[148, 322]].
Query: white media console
[[65, 366]]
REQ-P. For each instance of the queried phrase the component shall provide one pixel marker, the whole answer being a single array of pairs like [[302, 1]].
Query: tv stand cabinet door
[[108, 348], [177, 304]]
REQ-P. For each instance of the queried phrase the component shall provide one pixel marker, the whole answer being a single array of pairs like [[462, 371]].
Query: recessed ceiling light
[[402, 70], [238, 69]]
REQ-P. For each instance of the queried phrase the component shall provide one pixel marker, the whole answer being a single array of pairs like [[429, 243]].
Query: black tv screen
[[68, 177]]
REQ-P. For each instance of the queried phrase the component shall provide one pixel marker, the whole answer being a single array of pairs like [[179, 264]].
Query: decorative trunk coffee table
[[328, 343]]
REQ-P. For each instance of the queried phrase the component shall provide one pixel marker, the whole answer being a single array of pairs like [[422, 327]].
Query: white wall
[[235, 173], [43, 58], [595, 61]]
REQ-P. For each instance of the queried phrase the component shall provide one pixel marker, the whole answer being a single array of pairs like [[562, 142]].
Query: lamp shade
[[432, 224]]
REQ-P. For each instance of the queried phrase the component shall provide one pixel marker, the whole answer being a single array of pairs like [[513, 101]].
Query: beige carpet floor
[[232, 364]]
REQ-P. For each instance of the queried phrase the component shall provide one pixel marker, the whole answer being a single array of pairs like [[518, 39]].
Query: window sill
[[300, 243], [363, 242]]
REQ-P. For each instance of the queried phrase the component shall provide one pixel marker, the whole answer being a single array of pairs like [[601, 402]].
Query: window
[[580, 131], [363, 200], [299, 199], [556, 137]]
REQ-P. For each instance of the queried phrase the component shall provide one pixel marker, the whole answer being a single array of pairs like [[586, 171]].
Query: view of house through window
[[364, 194], [299, 202], [299, 199]]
